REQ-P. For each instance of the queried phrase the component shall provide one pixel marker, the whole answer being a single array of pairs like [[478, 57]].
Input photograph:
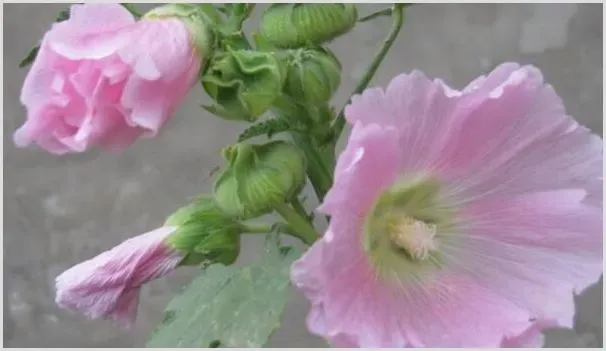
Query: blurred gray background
[[59, 211]]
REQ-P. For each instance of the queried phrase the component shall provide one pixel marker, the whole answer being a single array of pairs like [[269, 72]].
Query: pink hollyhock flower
[[458, 218], [108, 285], [102, 78]]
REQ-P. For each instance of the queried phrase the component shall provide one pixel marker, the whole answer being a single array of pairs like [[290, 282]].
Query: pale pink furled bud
[[107, 286], [103, 78]]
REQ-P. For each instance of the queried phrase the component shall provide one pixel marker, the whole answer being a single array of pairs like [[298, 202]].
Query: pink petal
[[349, 303], [168, 49], [535, 250], [363, 169], [37, 127], [99, 17], [417, 117], [52, 145], [107, 286], [152, 103], [497, 77], [38, 87], [531, 338], [95, 31]]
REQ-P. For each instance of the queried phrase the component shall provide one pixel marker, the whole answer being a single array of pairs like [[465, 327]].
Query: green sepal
[[303, 25], [244, 83], [205, 234], [258, 177], [314, 75]]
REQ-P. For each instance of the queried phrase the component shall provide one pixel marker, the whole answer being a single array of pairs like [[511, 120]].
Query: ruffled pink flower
[[521, 182], [102, 78], [107, 286]]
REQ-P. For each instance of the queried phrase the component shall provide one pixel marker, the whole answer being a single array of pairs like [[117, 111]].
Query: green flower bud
[[244, 83], [258, 178], [313, 76], [197, 21], [205, 234], [297, 25]]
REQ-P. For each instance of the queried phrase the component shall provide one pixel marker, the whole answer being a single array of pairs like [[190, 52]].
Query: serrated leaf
[[229, 306]]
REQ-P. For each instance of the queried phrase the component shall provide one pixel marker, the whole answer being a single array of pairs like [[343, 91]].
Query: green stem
[[301, 226], [319, 168], [298, 206], [384, 12], [256, 228], [398, 20], [319, 162], [264, 228]]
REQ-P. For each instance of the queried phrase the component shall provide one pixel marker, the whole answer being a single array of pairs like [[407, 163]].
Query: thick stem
[[319, 162], [264, 228], [301, 226], [398, 20], [319, 170]]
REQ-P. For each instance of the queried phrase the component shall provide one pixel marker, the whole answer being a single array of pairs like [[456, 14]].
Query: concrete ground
[[59, 211]]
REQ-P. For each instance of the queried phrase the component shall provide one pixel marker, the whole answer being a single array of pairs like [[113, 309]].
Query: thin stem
[[301, 226], [384, 12], [398, 20]]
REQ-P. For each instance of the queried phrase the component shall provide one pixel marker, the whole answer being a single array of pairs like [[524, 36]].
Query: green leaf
[[229, 306], [30, 57], [132, 9], [62, 16]]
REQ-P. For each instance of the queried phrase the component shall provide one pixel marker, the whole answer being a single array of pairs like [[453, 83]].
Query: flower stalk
[[397, 13], [300, 225]]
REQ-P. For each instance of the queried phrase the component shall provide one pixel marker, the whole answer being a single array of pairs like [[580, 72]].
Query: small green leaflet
[[229, 306]]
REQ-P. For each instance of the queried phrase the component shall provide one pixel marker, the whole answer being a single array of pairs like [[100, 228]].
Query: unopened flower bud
[[204, 234], [297, 25], [243, 83], [108, 285], [258, 178], [313, 76]]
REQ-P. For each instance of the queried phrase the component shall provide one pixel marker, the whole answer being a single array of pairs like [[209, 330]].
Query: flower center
[[416, 238], [403, 228]]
